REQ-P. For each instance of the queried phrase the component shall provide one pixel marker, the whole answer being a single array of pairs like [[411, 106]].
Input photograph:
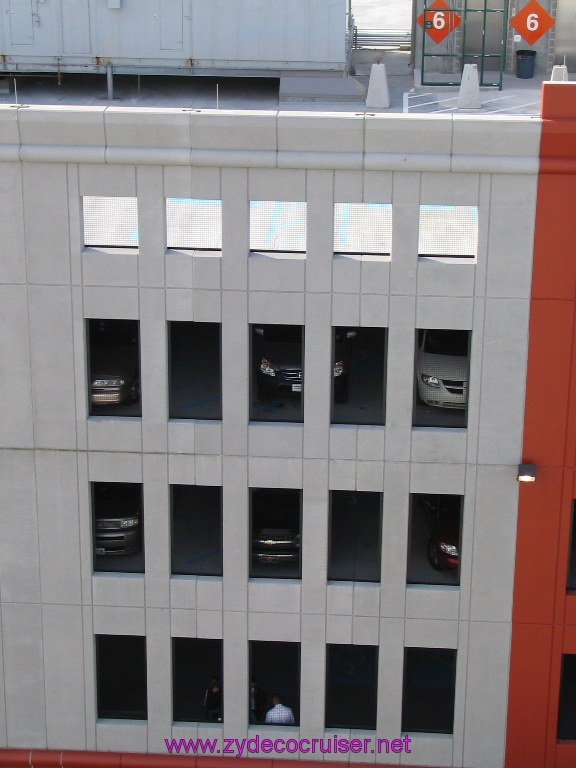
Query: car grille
[[107, 525], [455, 387], [292, 375], [102, 398]]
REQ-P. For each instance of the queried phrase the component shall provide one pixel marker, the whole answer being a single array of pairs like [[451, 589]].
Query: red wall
[[544, 616]]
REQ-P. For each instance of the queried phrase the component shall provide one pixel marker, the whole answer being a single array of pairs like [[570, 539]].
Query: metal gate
[[464, 32]]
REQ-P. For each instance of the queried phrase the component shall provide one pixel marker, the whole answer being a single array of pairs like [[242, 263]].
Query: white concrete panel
[[365, 630], [118, 589], [64, 672], [320, 230], [370, 442], [320, 132], [494, 543], [346, 273], [438, 445], [512, 135], [312, 675], [374, 311], [504, 360], [395, 516], [405, 212], [235, 373], [182, 469], [317, 369], [51, 350], [345, 309], [484, 204], [115, 267], [58, 526], [181, 433], [449, 189], [343, 441], [208, 437], [153, 369], [85, 525], [115, 467], [208, 470], [115, 433], [183, 623], [235, 228], [19, 558], [431, 633], [158, 677], [121, 736], [276, 184], [118, 620], [366, 599], [107, 180], [280, 308], [147, 128], [80, 368], [24, 675], [274, 596], [46, 223], [207, 270], [315, 527], [236, 660], [179, 304], [433, 749], [62, 127], [235, 533], [377, 186], [390, 682], [276, 272], [375, 275], [400, 379], [220, 130], [179, 268], [274, 627], [12, 265], [183, 592], [437, 478], [387, 133], [340, 598], [446, 277], [342, 475], [206, 306], [209, 593], [429, 601], [15, 383], [156, 497], [370, 476], [111, 303], [267, 472], [209, 624], [348, 186], [3, 734], [486, 694], [273, 438], [151, 218], [452, 313], [339, 629]]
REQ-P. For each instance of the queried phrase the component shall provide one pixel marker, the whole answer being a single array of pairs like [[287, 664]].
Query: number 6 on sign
[[438, 21], [532, 22]]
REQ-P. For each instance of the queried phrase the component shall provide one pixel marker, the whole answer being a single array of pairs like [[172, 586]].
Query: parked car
[[272, 546], [278, 351], [114, 376], [442, 368], [444, 526], [117, 520]]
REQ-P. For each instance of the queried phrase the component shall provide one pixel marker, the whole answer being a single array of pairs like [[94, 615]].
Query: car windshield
[[453, 343]]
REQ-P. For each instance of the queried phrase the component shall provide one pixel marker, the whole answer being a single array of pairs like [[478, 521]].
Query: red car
[[444, 524]]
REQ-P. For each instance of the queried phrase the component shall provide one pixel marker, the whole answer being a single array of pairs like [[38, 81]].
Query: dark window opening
[[118, 527], [358, 375], [571, 582], [197, 693], [274, 672], [113, 368], [277, 373], [351, 686], [355, 536], [429, 685], [121, 677], [196, 530], [442, 373], [275, 532], [567, 703], [195, 371], [435, 539]]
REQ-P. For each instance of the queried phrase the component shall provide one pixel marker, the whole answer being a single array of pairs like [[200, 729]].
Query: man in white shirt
[[279, 714]]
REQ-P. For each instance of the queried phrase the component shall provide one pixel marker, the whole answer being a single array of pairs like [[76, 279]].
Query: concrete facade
[[52, 602]]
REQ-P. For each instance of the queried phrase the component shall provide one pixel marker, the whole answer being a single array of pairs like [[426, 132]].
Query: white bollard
[[378, 96], [469, 96], [559, 73]]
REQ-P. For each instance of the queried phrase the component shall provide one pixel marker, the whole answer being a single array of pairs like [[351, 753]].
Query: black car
[[278, 352], [117, 520], [114, 376]]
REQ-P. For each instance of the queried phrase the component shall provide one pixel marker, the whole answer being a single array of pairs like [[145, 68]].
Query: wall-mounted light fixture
[[526, 473]]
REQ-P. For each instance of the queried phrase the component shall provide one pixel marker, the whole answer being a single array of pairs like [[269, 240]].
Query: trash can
[[525, 64]]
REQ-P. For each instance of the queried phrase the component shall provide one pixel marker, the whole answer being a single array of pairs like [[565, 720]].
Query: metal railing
[[382, 38]]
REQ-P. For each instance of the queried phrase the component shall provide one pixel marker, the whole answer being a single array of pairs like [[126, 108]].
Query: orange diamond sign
[[532, 22], [437, 21]]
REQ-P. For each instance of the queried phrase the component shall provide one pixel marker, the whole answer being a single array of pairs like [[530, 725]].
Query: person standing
[[258, 700], [279, 714], [213, 700]]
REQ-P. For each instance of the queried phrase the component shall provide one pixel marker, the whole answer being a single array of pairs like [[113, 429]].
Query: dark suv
[[114, 362], [278, 354], [276, 545], [117, 519]]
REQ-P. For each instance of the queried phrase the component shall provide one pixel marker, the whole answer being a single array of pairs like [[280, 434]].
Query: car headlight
[[266, 367], [449, 549], [431, 381], [338, 368], [129, 522]]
